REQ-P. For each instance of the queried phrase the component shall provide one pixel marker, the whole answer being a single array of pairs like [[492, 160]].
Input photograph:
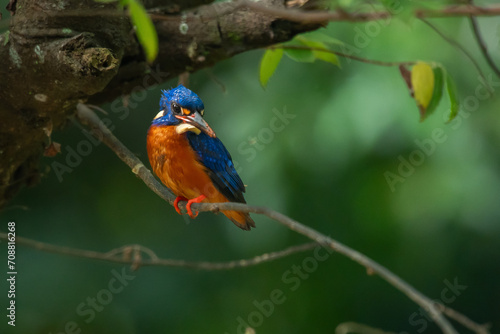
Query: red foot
[[176, 203], [191, 201]]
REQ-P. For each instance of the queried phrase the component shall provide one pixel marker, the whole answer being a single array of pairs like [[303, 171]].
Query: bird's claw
[[190, 202], [176, 203], [188, 205]]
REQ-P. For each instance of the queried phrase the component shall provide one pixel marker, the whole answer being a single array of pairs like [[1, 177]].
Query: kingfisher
[[190, 160]]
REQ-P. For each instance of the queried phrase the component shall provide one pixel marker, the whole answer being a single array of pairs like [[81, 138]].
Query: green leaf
[[329, 57], [268, 65], [345, 3], [145, 30], [299, 55], [318, 36], [438, 91], [452, 95]]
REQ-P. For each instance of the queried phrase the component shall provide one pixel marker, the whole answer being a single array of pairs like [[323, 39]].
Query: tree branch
[[132, 255], [324, 16], [201, 37], [90, 119], [344, 55], [465, 321], [482, 44], [454, 43]]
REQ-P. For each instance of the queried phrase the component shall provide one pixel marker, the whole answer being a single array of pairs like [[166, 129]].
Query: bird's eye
[[176, 109]]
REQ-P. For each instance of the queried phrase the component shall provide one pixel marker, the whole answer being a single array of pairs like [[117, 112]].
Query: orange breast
[[175, 163]]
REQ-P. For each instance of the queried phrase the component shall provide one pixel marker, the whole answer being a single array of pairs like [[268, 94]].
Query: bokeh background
[[326, 169]]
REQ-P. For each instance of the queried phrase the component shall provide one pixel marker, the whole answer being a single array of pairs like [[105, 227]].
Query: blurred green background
[[325, 169]]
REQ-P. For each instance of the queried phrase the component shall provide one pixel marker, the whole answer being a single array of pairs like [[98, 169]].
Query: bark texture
[[58, 53]]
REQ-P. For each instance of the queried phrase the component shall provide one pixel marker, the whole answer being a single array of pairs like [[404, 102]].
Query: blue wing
[[215, 157]]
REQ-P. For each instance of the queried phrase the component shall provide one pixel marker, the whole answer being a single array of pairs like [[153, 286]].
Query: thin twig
[[341, 54], [465, 321], [324, 16], [120, 255], [461, 48], [89, 118], [482, 44]]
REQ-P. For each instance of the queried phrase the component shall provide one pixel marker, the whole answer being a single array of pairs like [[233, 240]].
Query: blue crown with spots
[[184, 97]]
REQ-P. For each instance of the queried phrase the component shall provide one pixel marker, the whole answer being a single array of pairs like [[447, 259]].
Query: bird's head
[[182, 108]]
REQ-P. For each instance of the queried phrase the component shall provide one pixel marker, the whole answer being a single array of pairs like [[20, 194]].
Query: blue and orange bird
[[189, 159]]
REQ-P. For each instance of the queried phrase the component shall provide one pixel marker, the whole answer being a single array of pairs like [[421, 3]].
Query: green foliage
[[305, 48], [268, 65], [329, 57], [451, 89], [145, 29], [318, 36], [438, 91], [299, 55], [425, 83]]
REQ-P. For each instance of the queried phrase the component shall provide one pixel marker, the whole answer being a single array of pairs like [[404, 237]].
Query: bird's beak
[[195, 119]]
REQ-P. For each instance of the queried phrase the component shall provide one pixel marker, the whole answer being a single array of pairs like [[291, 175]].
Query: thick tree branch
[[199, 38], [90, 119]]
